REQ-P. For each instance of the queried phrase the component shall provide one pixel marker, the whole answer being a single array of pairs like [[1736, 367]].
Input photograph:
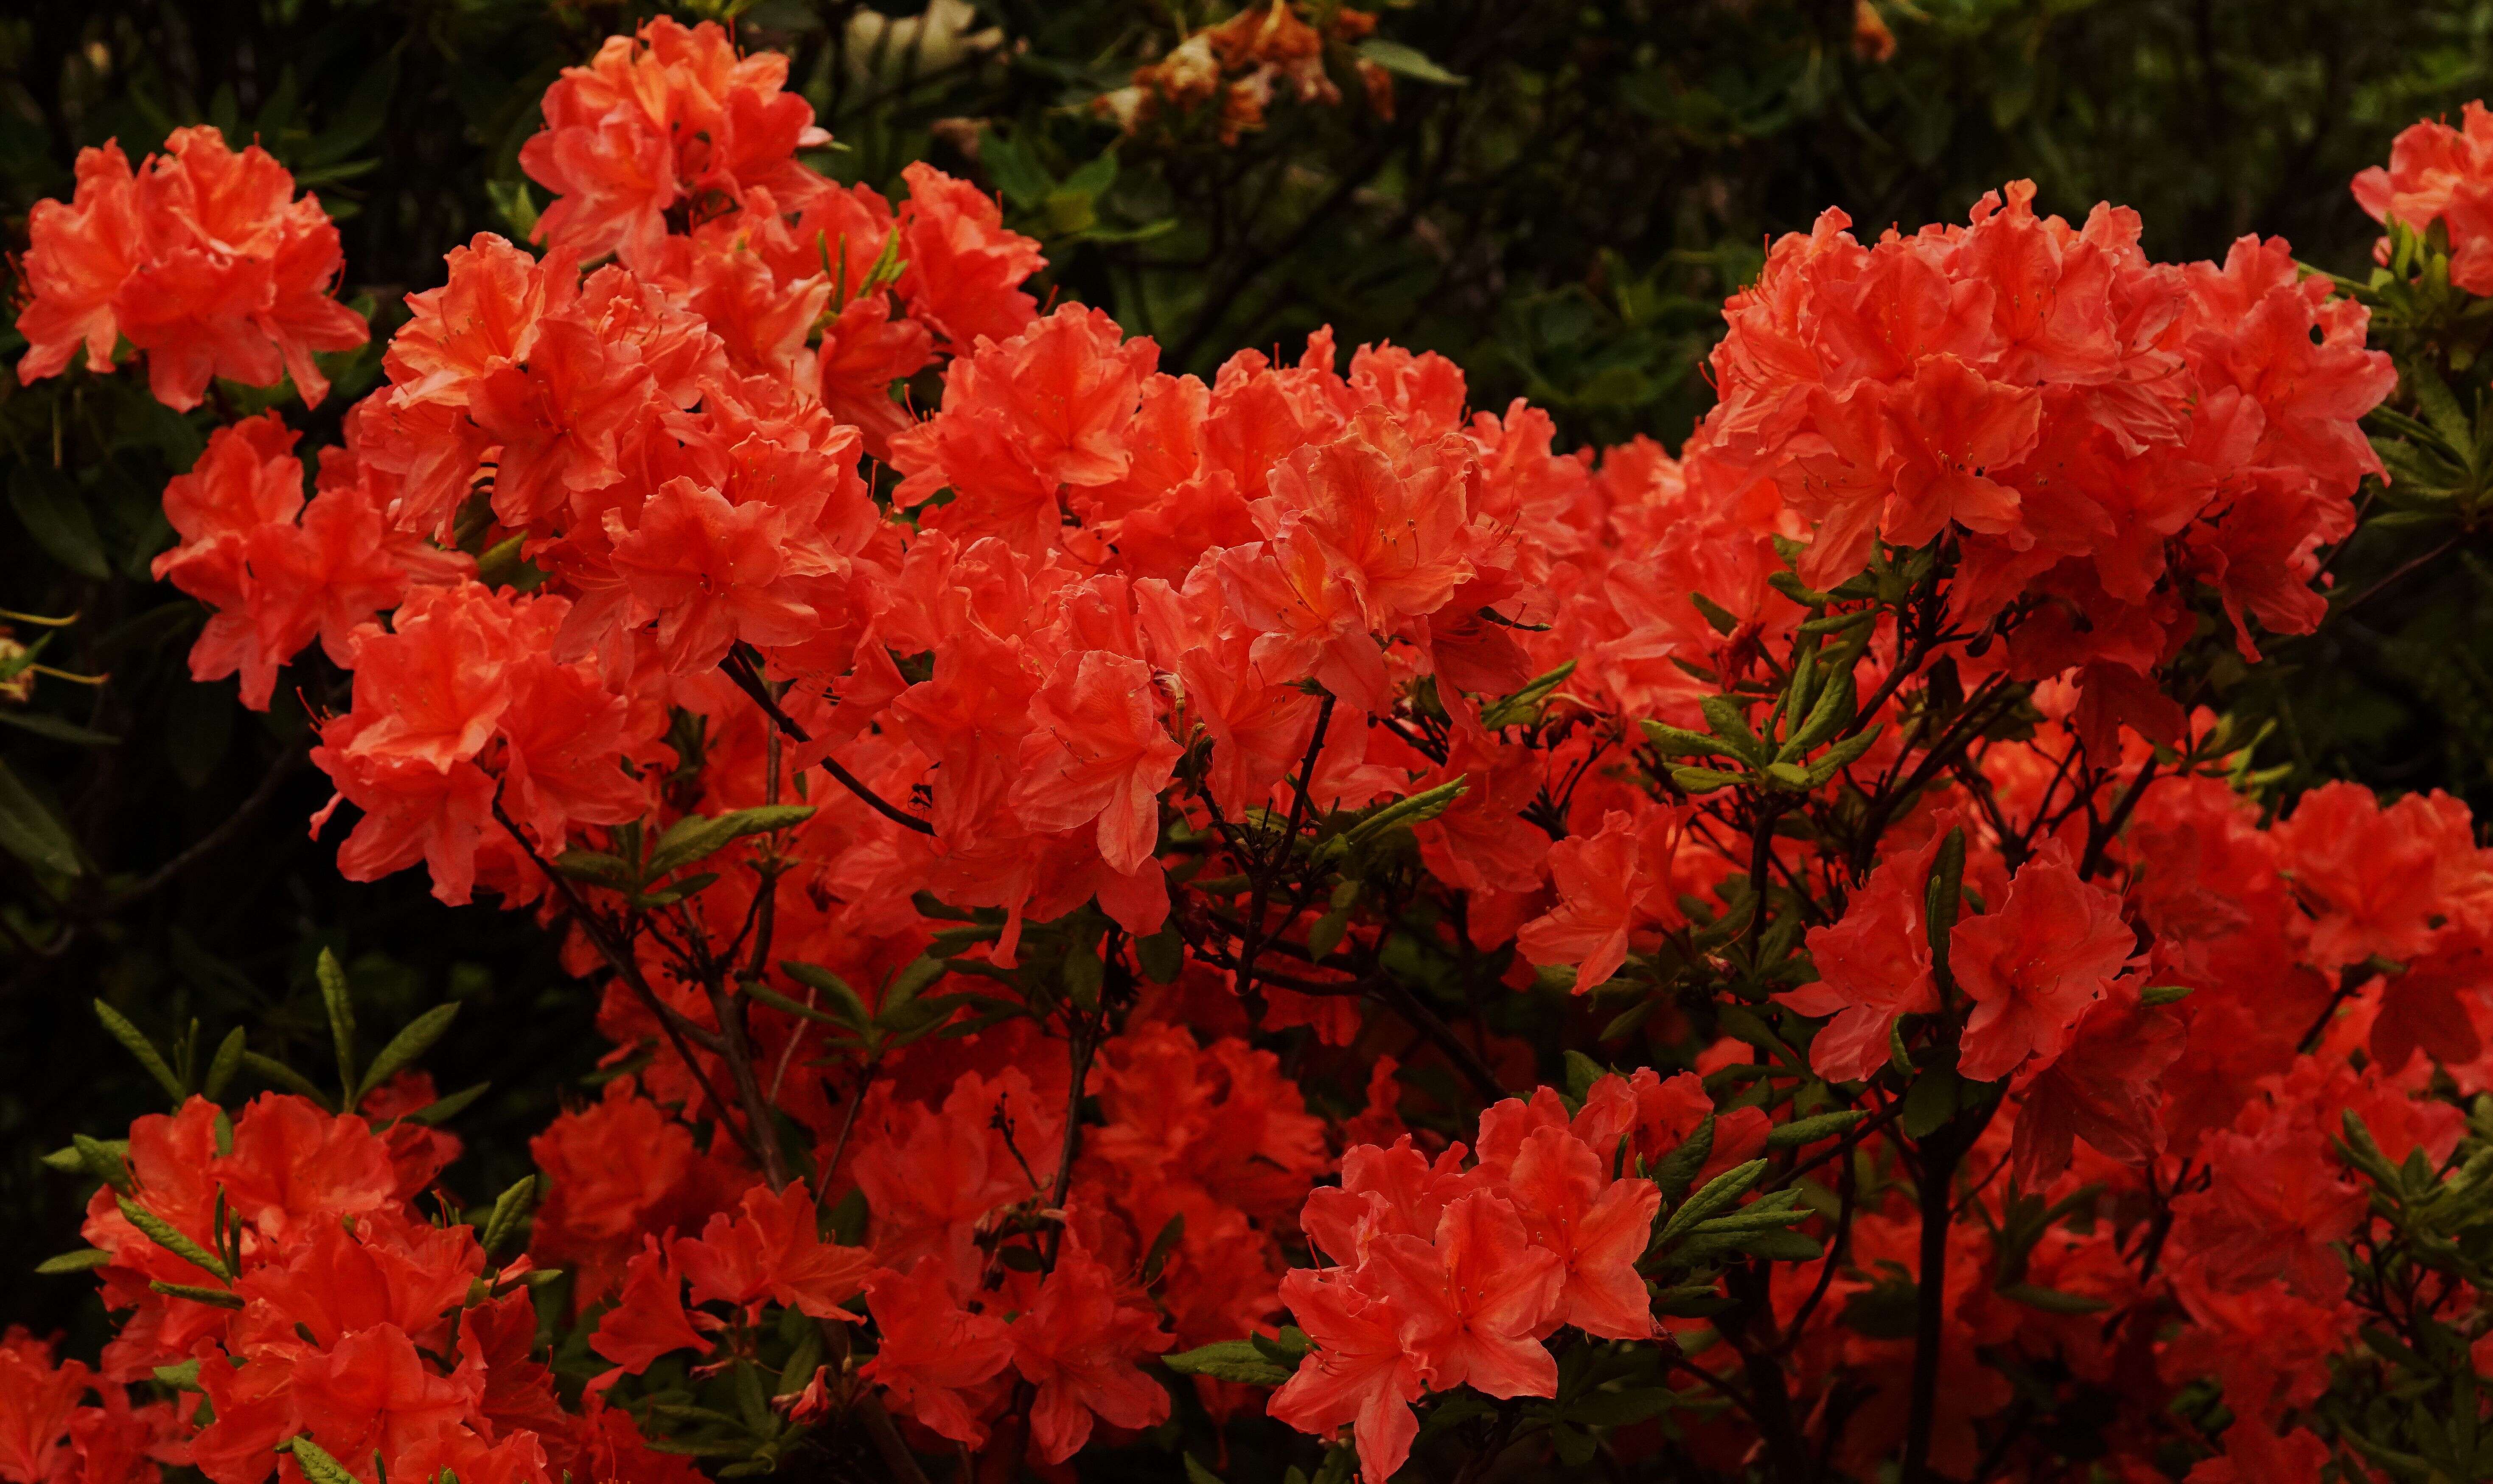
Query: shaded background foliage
[[1560, 199]]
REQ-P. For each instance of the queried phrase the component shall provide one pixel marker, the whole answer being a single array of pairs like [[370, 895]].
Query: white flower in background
[[894, 48]]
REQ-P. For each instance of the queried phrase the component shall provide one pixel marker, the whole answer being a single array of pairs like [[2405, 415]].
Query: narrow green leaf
[[83, 1261], [1678, 741], [214, 1298], [173, 1239], [139, 1046], [1720, 1192], [1678, 1168], [182, 1376], [845, 1010], [339, 1001], [1172, 1232], [1732, 724], [31, 832], [413, 1041], [44, 724], [510, 1208], [2052, 1300], [1809, 1130], [1524, 705], [49, 506], [224, 1065], [108, 1162], [318, 1465], [443, 1109], [1407, 62], [271, 1070], [1228, 1360]]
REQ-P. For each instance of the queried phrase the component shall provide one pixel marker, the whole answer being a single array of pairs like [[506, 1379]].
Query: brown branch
[[1251, 942], [216, 839], [1470, 1063], [739, 669], [678, 1030]]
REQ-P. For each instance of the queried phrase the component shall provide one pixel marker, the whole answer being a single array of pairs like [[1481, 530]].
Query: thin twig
[[1475, 1068], [215, 839], [677, 1028], [741, 670]]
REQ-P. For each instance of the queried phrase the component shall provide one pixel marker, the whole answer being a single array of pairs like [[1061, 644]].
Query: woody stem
[[680, 1031], [1299, 803], [1085, 1042], [736, 1050], [748, 680], [1941, 1154], [1469, 1061]]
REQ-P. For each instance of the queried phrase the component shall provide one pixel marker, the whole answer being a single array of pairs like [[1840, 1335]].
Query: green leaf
[[2052, 1300], [1720, 618], [1931, 1102], [47, 503], [599, 868], [139, 1046], [1678, 741], [271, 1070], [83, 1261], [1228, 1360], [1196, 1473], [1678, 1168], [1809, 1130], [31, 832], [1628, 1020], [1619, 1409], [1524, 705], [514, 204], [1832, 710], [843, 1008], [1010, 169], [339, 1001], [1779, 1244], [2165, 995], [224, 1065], [1720, 1192], [1407, 62], [1842, 756], [1172, 1232], [1583, 1072], [173, 1239], [443, 1109], [1732, 724], [182, 1376], [1403, 813], [510, 1208], [1943, 894], [318, 1465], [1790, 585], [1162, 954], [404, 1047], [214, 1298], [1704, 780], [108, 1163], [696, 837], [43, 724]]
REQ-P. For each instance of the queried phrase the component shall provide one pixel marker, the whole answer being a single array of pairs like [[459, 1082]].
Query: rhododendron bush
[[1288, 925]]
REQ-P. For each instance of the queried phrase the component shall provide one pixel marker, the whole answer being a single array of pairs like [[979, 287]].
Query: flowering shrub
[[1087, 883]]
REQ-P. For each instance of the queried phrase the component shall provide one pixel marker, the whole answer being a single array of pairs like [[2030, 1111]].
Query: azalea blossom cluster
[[274, 1266], [204, 259], [2441, 176], [1055, 855]]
